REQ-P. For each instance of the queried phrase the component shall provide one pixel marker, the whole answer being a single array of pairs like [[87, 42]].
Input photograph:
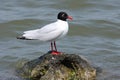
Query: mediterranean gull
[[50, 32]]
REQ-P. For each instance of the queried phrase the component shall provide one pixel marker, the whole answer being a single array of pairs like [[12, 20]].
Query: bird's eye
[[63, 15]]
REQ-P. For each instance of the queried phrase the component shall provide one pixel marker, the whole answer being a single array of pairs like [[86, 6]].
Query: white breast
[[64, 27]]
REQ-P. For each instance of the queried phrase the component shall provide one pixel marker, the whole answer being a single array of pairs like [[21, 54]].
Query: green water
[[94, 33]]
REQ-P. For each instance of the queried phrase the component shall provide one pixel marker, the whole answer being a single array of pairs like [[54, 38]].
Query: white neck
[[61, 20]]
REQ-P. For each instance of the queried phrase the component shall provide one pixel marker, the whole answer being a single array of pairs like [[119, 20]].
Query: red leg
[[51, 46], [55, 46]]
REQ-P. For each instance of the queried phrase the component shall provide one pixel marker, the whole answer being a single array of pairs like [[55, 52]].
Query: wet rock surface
[[58, 67]]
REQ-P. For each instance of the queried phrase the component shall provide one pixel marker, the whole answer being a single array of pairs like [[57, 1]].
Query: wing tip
[[23, 38]]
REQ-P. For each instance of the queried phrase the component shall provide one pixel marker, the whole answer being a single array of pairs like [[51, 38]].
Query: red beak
[[70, 18]]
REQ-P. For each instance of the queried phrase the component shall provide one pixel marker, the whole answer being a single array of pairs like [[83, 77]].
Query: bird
[[50, 32]]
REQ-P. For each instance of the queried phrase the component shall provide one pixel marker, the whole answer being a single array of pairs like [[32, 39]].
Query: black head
[[63, 16]]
